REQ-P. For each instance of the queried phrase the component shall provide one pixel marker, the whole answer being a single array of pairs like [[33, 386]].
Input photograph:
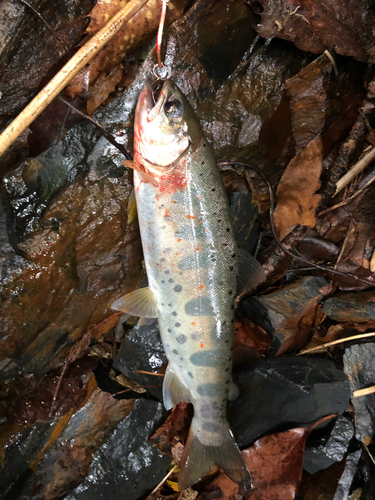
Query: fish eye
[[173, 107]]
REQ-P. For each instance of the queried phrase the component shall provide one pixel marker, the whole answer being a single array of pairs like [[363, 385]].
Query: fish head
[[164, 130]]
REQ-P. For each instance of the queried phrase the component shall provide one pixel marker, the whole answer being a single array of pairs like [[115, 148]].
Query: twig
[[355, 170], [163, 480], [332, 61], [369, 453], [364, 392], [63, 77], [105, 132], [149, 373], [335, 342], [347, 200]]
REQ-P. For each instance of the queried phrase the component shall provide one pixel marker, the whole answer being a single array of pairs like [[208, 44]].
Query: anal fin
[[174, 391], [250, 272], [140, 303]]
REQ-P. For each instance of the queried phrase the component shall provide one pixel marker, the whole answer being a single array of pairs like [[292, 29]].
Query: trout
[[191, 260]]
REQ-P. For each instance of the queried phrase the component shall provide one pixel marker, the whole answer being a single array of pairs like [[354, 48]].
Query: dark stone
[[278, 312], [18, 456], [356, 307], [246, 226], [332, 449], [142, 350], [346, 479], [126, 465], [359, 367], [280, 393]]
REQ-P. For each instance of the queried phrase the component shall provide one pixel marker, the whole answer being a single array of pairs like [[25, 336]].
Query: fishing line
[[160, 71]]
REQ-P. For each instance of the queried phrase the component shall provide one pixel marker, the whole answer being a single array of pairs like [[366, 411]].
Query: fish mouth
[[149, 105]]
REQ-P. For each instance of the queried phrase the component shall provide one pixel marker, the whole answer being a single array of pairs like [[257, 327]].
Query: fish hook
[[160, 71]]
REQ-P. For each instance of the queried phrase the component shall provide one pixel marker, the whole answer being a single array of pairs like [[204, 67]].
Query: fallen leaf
[[296, 198], [249, 334], [309, 101], [275, 463], [319, 25]]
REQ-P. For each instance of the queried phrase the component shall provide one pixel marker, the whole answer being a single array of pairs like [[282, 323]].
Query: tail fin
[[199, 458]]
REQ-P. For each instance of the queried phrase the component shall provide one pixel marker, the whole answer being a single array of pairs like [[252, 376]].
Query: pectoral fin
[[173, 390], [132, 207], [250, 272], [138, 303]]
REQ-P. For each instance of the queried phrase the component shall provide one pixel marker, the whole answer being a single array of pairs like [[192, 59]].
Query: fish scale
[[191, 261], [195, 302]]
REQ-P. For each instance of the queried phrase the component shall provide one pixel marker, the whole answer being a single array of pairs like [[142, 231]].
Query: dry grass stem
[[63, 77], [333, 62], [335, 342], [174, 468], [355, 170], [364, 392], [149, 373]]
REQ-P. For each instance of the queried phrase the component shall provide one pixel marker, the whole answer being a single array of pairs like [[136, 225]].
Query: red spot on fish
[[177, 253], [178, 240], [193, 323], [174, 201], [218, 378], [201, 287], [190, 217], [197, 248], [219, 357], [201, 345], [171, 183], [166, 213]]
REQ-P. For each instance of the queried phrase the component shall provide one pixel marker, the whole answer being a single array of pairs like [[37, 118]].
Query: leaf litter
[[297, 308]]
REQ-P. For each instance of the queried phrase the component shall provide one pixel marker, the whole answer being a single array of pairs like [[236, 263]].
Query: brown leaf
[[296, 198], [319, 25], [176, 427], [246, 333], [308, 101], [275, 463], [104, 85]]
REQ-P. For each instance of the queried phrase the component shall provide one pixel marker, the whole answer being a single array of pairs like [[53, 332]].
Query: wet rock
[[331, 450], [142, 350], [245, 224], [19, 453], [28, 52], [358, 307], [345, 482], [280, 313], [29, 49], [81, 257], [360, 369], [281, 393], [68, 446], [126, 464]]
